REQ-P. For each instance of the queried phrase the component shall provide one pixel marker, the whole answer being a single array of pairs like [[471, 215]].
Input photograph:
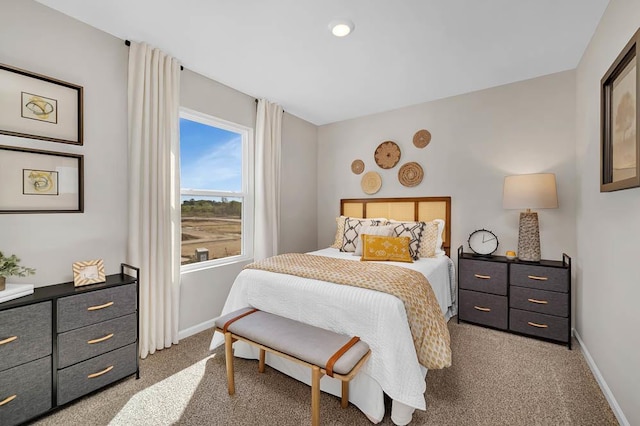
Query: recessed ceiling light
[[341, 27]]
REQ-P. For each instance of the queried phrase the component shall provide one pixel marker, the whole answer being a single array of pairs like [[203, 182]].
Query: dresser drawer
[[482, 308], [541, 325], [25, 391], [87, 376], [26, 333], [542, 277], [480, 275], [87, 342], [84, 309], [545, 302]]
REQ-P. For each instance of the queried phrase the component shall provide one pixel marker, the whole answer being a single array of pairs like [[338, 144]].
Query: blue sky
[[210, 158]]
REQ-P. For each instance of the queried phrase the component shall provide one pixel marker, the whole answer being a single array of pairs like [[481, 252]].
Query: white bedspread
[[378, 318]]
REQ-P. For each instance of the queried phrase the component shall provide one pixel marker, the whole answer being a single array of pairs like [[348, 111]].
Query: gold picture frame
[[620, 138], [88, 272]]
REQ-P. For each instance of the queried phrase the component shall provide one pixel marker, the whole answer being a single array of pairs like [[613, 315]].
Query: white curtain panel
[[267, 179], [154, 192]]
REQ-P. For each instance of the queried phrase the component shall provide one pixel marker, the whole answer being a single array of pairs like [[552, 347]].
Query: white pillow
[[352, 227], [439, 250], [384, 231]]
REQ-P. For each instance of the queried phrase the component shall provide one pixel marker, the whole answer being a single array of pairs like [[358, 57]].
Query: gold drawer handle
[[533, 277], [102, 339], [95, 308], [533, 324], [100, 373], [8, 400], [8, 340], [541, 302], [482, 309], [482, 277]]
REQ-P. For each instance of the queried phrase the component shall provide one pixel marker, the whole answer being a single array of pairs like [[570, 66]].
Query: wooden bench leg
[[261, 363], [344, 403], [316, 375], [228, 347]]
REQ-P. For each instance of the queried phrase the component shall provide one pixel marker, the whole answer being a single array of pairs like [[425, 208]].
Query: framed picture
[[35, 181], [39, 107], [620, 139], [88, 272]]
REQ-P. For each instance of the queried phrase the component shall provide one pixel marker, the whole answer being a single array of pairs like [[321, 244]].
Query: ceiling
[[401, 53]]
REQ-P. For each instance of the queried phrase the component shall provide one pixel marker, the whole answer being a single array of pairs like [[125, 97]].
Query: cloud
[[218, 168]]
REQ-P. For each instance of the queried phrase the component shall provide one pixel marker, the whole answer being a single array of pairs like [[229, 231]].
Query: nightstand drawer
[[542, 277], [25, 391], [480, 275], [84, 309], [25, 333], [483, 308], [545, 302], [541, 325], [93, 340], [87, 376]]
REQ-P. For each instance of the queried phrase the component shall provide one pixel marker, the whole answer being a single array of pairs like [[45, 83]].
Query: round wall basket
[[422, 138], [410, 174], [387, 154], [357, 166], [371, 182]]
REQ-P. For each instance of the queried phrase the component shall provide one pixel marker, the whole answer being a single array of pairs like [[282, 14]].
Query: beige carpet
[[496, 378]]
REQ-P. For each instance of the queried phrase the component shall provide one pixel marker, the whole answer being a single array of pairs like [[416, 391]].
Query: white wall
[[38, 39], [608, 228], [298, 195], [477, 139], [58, 46]]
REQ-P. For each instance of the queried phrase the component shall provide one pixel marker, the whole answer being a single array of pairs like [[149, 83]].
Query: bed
[[378, 318]]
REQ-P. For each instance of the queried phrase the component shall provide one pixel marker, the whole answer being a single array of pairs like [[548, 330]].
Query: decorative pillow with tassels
[[378, 247], [352, 231]]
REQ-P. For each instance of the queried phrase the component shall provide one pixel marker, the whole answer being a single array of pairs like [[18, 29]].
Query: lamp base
[[529, 237]]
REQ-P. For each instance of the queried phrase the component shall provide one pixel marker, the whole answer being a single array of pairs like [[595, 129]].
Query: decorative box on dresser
[[527, 298], [63, 342]]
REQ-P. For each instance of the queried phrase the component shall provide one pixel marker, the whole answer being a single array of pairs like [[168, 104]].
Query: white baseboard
[[183, 334], [603, 384]]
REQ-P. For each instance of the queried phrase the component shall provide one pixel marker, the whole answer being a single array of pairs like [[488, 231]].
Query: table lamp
[[532, 191]]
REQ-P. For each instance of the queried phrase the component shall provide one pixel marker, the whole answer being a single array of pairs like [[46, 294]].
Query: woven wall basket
[[422, 138], [387, 154], [371, 183], [410, 174], [357, 166]]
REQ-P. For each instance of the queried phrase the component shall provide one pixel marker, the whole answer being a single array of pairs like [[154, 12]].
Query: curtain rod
[[128, 43], [283, 111]]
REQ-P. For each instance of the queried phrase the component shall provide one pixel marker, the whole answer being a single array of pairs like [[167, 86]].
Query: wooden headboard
[[405, 209]]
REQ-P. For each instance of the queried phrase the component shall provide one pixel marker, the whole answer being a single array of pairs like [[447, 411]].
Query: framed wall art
[[39, 107], [35, 181], [620, 139], [88, 272]]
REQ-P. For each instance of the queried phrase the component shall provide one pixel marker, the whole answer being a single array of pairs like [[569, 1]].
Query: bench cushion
[[303, 341]]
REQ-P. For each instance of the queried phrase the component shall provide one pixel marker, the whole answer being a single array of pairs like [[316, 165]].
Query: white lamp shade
[[534, 191]]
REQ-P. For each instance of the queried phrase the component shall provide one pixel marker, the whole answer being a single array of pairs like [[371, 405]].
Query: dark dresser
[[532, 299], [63, 342]]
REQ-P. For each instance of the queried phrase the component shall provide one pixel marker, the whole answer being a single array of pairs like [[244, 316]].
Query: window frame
[[246, 193]]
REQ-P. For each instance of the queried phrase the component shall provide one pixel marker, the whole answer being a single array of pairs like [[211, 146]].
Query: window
[[216, 194]]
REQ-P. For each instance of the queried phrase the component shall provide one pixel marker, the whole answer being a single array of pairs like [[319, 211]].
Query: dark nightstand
[[526, 298]]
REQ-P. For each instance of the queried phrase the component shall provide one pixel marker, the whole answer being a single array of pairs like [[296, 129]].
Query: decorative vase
[[3, 281]]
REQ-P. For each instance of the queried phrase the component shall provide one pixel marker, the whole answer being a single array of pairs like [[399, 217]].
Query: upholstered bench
[[324, 351]]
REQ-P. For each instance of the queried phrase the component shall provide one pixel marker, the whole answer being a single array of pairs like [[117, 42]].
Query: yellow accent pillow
[[378, 247]]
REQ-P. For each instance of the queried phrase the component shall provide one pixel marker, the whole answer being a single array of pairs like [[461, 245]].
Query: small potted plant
[[9, 267]]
